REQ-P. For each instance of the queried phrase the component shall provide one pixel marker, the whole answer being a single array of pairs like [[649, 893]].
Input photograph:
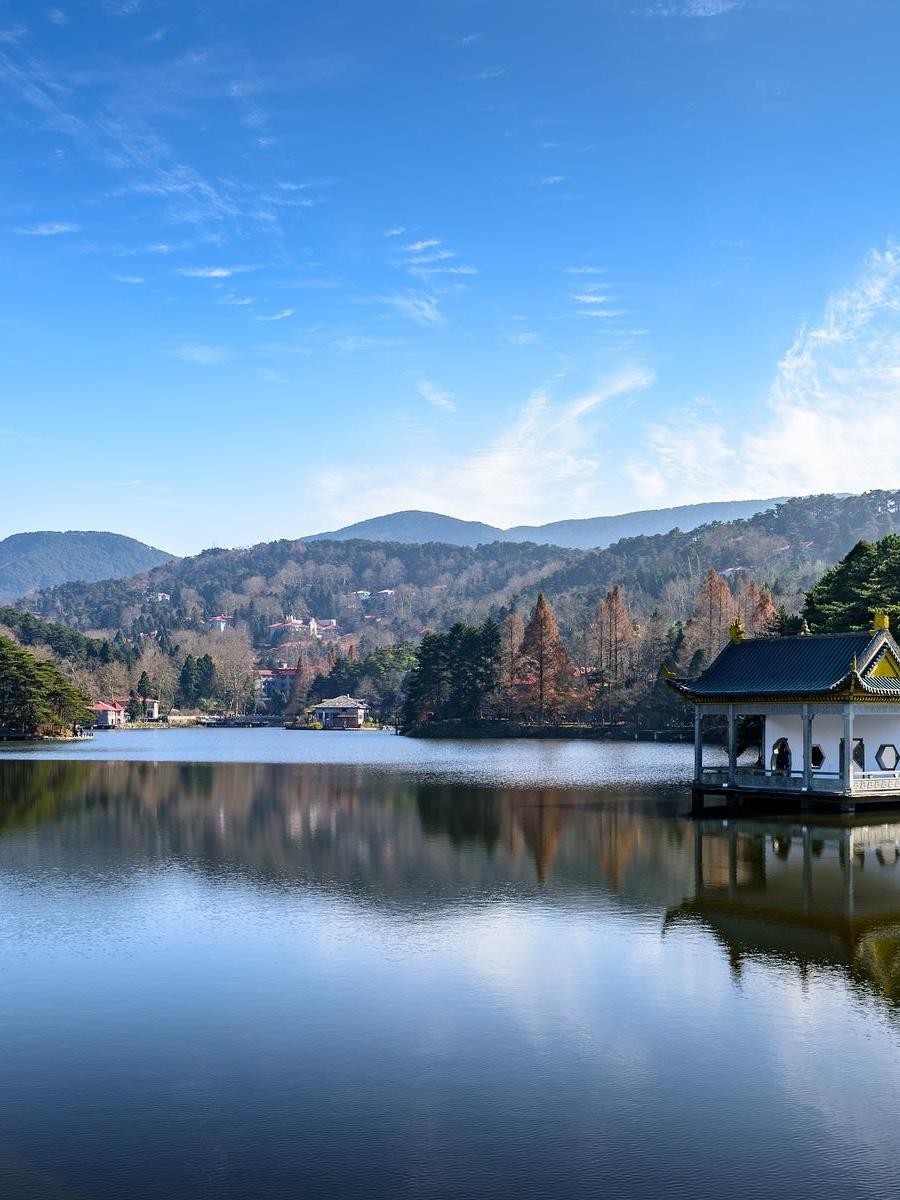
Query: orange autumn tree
[[714, 610], [544, 663], [612, 633], [511, 633]]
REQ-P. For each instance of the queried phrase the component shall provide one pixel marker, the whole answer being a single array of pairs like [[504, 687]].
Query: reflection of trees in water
[[464, 815], [877, 958], [541, 820], [381, 837], [33, 792]]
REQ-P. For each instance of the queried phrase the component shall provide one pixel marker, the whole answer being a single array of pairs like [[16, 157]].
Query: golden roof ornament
[[805, 630], [881, 622], [736, 631]]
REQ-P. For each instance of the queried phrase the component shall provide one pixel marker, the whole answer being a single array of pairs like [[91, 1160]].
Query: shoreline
[[510, 730]]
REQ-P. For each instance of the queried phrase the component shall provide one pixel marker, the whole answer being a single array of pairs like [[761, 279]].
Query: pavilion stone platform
[[815, 695]]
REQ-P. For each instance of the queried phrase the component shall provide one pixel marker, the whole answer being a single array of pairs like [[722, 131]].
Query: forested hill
[[429, 586], [413, 526], [419, 584], [29, 561], [787, 548]]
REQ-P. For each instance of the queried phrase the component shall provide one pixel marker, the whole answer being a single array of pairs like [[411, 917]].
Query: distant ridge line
[[580, 533]]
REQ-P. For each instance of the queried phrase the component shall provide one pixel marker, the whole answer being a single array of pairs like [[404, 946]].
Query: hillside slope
[[396, 590], [414, 526], [31, 561]]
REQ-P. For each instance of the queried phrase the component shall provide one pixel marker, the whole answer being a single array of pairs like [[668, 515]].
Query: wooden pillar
[[847, 774], [732, 747], [698, 744], [807, 748]]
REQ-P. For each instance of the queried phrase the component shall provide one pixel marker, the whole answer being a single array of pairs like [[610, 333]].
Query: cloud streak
[[420, 307], [435, 396], [211, 272], [826, 424], [553, 445], [48, 229]]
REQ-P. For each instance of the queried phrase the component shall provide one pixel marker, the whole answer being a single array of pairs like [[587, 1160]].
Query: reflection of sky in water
[[281, 981]]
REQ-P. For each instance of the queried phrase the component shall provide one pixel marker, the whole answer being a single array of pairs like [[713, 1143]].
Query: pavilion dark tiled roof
[[790, 666]]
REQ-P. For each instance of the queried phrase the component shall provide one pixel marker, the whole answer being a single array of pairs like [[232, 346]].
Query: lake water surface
[[259, 963]]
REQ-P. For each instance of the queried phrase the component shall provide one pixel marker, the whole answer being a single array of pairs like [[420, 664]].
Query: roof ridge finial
[[736, 631], [881, 622], [805, 630]]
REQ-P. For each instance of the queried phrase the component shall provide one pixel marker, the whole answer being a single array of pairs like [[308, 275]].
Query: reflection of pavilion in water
[[808, 894]]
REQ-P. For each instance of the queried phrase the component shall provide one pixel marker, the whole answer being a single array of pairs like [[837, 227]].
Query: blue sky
[[271, 267]]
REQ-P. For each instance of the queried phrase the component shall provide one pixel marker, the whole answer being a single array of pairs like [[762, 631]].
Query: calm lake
[[257, 963]]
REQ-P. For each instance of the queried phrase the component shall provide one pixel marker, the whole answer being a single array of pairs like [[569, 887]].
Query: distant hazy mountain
[[589, 533], [29, 561]]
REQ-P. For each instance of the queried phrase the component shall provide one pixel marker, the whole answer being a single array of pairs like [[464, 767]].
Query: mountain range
[[395, 589], [590, 533], [31, 561]]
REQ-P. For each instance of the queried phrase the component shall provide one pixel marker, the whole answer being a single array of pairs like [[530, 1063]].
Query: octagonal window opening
[[888, 756], [817, 758]]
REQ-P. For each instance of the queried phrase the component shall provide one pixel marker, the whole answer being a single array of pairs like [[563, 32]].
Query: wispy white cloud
[[487, 73], [436, 396], [420, 307], [397, 231], [48, 229], [132, 279], [118, 136], [522, 337], [587, 297], [429, 257], [690, 8], [201, 355], [269, 375], [554, 445], [278, 316], [231, 298], [552, 180], [57, 16], [823, 427], [585, 270], [211, 272]]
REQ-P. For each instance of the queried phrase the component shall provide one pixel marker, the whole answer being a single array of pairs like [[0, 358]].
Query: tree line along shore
[[513, 673]]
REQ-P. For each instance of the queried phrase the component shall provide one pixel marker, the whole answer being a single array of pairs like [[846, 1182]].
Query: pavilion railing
[[762, 778], [862, 782]]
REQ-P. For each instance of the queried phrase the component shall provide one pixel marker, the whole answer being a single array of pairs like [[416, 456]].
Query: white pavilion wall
[[827, 732]]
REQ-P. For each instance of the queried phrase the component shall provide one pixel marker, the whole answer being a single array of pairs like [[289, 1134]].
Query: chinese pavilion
[[815, 695]]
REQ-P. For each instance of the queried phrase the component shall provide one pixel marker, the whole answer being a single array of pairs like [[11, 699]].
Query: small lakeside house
[[814, 695], [148, 705], [343, 712], [108, 716]]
